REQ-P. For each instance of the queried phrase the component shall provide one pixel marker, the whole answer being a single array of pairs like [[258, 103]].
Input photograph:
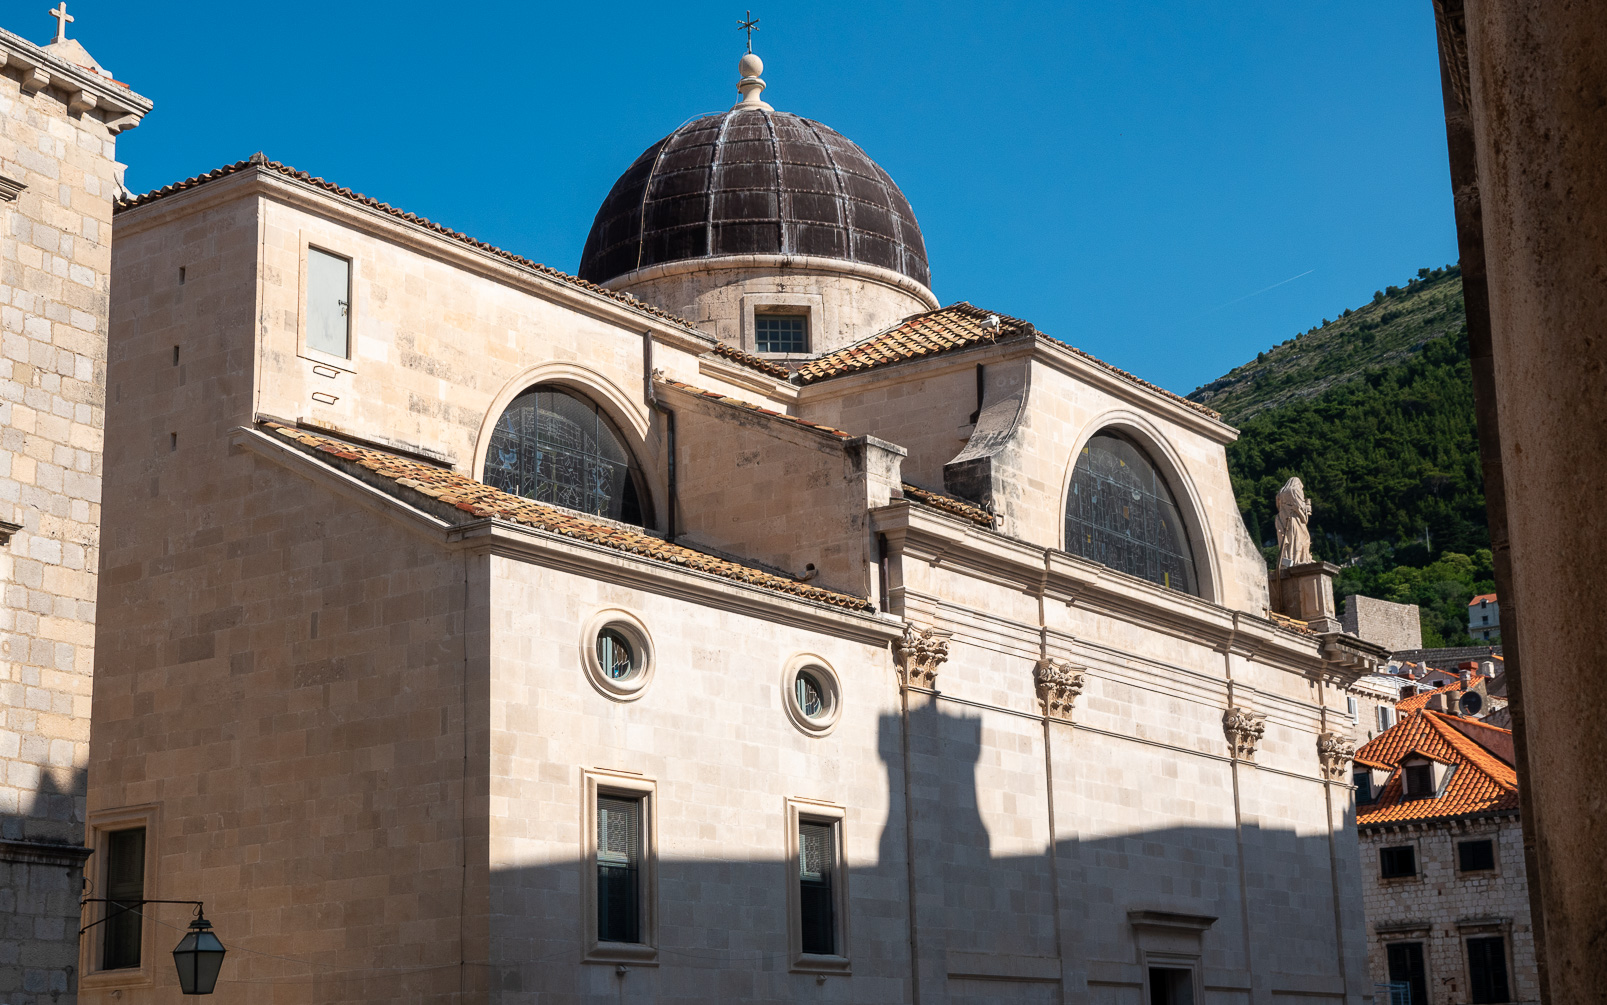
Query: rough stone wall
[[1393, 626], [55, 258], [1441, 907]]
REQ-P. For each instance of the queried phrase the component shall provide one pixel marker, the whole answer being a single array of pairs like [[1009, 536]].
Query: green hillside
[[1395, 326], [1374, 412]]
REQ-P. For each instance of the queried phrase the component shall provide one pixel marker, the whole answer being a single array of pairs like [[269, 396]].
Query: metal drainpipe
[[669, 428]]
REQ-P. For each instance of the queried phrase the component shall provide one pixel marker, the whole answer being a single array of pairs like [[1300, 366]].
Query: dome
[[752, 181]]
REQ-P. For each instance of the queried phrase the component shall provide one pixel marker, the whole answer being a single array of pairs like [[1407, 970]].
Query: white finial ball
[[751, 66]]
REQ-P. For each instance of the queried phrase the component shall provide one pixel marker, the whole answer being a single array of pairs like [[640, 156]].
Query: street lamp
[[198, 956]]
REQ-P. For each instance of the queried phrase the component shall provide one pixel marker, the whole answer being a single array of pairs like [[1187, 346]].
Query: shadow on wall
[[990, 928], [39, 892]]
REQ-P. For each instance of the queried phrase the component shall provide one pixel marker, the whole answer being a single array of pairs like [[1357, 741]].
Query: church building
[[731, 621]]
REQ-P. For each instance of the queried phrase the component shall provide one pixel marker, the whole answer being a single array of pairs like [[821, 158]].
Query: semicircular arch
[[630, 417], [1169, 463]]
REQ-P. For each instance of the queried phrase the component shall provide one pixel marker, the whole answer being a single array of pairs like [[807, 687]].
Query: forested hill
[[1397, 324], [1374, 411]]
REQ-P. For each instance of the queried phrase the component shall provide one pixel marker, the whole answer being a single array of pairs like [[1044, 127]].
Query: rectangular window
[[329, 279], [1406, 967], [125, 888], [781, 332], [1475, 856], [817, 866], [1487, 970], [619, 861], [1397, 863], [1354, 709], [1171, 986], [1386, 717], [1419, 780]]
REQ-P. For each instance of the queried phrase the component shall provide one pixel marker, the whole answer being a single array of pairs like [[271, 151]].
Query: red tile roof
[[1483, 596], [1289, 624], [958, 326], [1482, 782], [448, 493], [1421, 700], [949, 504], [258, 160], [751, 361]]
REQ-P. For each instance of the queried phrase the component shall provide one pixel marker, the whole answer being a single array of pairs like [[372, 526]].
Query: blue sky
[[1132, 177]]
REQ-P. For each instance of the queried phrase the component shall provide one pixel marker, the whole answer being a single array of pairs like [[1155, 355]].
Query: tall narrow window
[[1364, 786], [329, 281], [817, 867], [1406, 967], [1121, 513], [1354, 708], [619, 862], [556, 447], [781, 332], [125, 888], [1487, 970]]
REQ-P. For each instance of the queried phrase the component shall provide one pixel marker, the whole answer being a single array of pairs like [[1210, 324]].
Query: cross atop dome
[[751, 85]]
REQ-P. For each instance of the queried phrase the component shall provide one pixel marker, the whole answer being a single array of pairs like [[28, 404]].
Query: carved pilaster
[[920, 653], [1335, 752], [1244, 730], [1059, 684]]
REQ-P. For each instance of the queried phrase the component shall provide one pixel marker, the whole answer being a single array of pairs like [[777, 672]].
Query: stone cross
[[63, 19], [750, 25]]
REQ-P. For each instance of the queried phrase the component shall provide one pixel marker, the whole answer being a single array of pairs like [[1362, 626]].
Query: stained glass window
[[555, 447], [1121, 513]]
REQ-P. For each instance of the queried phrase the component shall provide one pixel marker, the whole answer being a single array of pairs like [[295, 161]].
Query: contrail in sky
[[1247, 296]]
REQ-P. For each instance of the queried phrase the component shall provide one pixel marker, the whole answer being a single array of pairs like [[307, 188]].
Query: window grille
[[817, 863], [619, 854], [781, 333], [555, 447], [1121, 513]]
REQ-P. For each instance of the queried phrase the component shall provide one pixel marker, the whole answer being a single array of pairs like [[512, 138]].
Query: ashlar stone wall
[[58, 177], [1441, 906]]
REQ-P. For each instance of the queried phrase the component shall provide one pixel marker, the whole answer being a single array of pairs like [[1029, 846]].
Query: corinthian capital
[[1244, 730], [1059, 684], [920, 653], [1335, 752]]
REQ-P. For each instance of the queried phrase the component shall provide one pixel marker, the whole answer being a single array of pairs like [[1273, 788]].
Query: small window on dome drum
[[1121, 513], [556, 447], [781, 333]]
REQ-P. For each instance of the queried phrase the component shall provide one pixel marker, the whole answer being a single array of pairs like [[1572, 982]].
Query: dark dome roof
[[751, 182]]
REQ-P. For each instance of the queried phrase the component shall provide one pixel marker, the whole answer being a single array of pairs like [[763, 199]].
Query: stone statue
[[1294, 541]]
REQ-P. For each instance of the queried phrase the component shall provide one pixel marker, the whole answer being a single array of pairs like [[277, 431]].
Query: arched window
[[556, 447], [1121, 513]]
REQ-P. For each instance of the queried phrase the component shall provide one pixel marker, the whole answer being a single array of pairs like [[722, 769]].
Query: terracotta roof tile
[[1289, 624], [1421, 700], [1482, 782], [958, 326], [751, 361], [1483, 596], [726, 399], [450, 491], [258, 160], [949, 504]]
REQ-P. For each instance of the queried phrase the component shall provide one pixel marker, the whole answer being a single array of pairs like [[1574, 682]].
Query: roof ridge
[[1472, 751], [259, 160]]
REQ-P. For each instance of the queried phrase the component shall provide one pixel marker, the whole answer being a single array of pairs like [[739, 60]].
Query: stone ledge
[[43, 853]]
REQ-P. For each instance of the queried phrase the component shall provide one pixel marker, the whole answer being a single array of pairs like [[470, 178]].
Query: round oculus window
[[811, 694], [617, 653]]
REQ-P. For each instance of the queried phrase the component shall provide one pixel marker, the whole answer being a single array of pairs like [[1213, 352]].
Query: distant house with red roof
[[1484, 617], [1444, 890]]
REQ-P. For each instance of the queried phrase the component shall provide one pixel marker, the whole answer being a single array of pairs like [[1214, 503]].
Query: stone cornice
[[264, 182], [923, 534], [120, 107], [10, 188], [801, 263], [517, 541], [43, 853], [1062, 357]]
